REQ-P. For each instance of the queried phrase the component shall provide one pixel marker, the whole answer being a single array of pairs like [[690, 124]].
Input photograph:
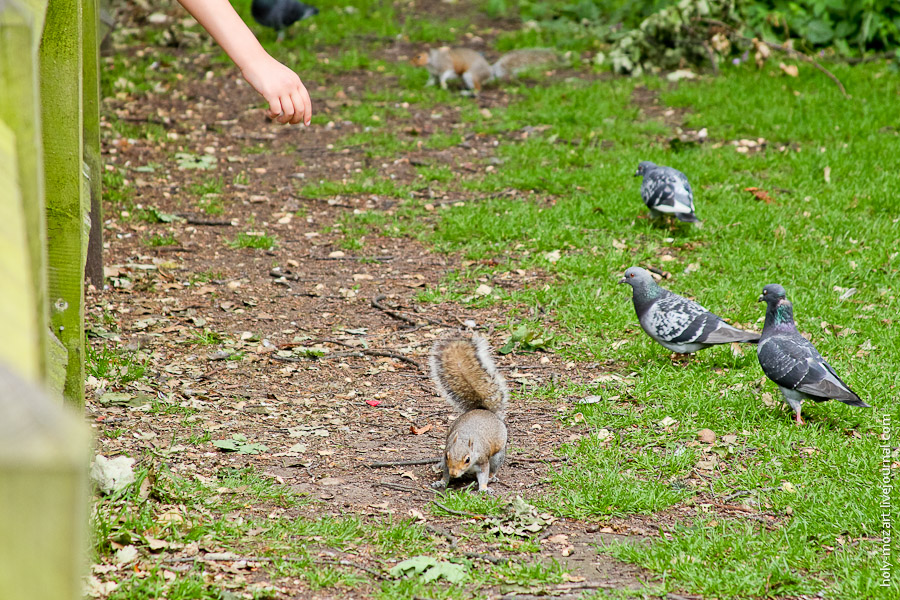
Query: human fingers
[[275, 109], [287, 106], [307, 104], [299, 108]]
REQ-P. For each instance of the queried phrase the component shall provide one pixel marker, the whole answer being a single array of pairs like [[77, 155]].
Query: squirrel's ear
[[470, 442], [455, 437]]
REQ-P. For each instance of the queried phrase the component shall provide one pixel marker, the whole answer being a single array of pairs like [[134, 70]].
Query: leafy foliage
[[846, 24]]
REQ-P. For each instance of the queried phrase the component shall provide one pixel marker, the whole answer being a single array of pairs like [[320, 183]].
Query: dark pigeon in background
[[679, 324], [666, 191], [279, 14], [791, 361]]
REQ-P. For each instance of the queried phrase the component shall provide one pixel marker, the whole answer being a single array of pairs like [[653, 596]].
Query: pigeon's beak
[[623, 280], [637, 173], [761, 298]]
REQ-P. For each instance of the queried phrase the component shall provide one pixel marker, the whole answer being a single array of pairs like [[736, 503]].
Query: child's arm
[[281, 87]]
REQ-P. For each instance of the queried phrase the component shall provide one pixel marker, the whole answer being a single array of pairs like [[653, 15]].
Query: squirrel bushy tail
[[465, 374]]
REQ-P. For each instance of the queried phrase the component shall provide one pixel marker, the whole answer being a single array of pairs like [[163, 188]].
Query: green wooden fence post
[[91, 72], [20, 33], [66, 197], [21, 345], [44, 454]]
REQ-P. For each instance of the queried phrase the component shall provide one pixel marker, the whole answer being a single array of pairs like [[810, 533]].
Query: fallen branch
[[227, 557], [192, 220], [497, 560], [360, 352], [740, 493], [376, 303], [781, 48], [460, 513], [444, 534], [400, 487], [404, 463]]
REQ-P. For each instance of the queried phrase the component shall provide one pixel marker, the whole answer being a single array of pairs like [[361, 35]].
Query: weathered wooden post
[[20, 34], [92, 163], [67, 190], [43, 494]]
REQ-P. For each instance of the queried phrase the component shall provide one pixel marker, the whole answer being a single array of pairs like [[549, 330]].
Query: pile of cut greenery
[[668, 34]]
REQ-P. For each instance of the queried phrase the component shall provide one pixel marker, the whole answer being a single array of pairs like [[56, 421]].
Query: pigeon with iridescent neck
[[792, 362], [666, 191], [677, 323]]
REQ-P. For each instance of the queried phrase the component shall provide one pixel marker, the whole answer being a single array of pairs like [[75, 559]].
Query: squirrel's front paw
[[439, 484]]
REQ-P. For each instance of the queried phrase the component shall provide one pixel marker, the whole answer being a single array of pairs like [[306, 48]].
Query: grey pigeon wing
[[794, 363], [675, 319], [667, 190], [725, 334]]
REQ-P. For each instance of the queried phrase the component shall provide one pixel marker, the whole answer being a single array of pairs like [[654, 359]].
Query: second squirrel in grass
[[446, 63], [465, 375]]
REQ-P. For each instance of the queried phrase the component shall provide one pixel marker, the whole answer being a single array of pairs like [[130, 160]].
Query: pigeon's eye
[[632, 275]]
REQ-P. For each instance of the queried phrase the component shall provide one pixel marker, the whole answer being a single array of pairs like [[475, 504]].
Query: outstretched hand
[[281, 87], [287, 96]]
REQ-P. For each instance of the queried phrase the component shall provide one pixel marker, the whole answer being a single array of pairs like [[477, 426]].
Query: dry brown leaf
[[789, 70], [420, 430], [760, 194]]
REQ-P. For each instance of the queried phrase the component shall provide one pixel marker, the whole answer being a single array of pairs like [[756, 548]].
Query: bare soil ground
[[351, 407]]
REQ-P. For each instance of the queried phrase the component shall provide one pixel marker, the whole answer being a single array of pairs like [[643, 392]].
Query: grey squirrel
[[447, 63], [465, 375]]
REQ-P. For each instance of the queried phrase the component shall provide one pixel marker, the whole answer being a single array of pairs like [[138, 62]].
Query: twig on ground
[[497, 560], [358, 353], [404, 463], [228, 557], [192, 220], [375, 258], [451, 539], [552, 459], [787, 50], [740, 493], [460, 513], [401, 488], [376, 303]]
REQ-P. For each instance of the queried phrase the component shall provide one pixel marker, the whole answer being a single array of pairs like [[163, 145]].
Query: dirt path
[[223, 327]]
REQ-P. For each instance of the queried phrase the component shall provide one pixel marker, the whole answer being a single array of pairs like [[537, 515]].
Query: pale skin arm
[[287, 96]]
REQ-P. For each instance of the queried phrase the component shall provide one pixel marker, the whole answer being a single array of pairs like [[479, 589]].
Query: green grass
[[819, 480], [118, 366], [161, 239], [162, 507], [637, 454], [258, 240]]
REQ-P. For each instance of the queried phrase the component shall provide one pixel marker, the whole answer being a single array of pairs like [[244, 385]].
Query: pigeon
[[279, 14], [666, 191], [679, 324], [791, 361]]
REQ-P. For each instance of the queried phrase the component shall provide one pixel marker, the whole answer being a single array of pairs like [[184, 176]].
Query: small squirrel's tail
[[465, 374], [515, 61]]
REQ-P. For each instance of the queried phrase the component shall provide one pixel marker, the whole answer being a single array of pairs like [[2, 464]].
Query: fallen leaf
[[373, 402], [667, 422], [126, 555], [552, 256], [707, 436], [760, 194], [420, 430], [483, 290], [789, 70]]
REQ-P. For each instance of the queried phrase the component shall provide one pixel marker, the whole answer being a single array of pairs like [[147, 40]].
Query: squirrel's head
[[420, 59], [458, 457]]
